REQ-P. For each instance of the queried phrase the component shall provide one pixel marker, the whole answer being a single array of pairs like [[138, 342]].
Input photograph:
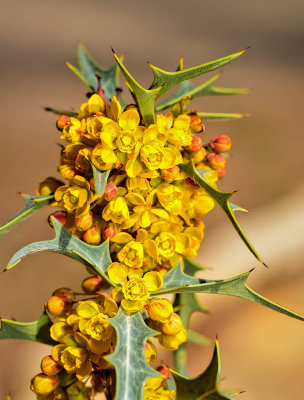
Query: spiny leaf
[[132, 369], [32, 205], [204, 386], [222, 198], [176, 275], [37, 331], [145, 99], [166, 80], [100, 179], [95, 257], [235, 286], [88, 68], [205, 89], [221, 116], [61, 112]]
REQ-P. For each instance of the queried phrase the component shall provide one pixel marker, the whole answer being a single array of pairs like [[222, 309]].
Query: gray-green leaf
[[132, 369], [32, 205]]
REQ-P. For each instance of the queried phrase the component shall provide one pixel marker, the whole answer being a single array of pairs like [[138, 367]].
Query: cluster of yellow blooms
[[151, 213]]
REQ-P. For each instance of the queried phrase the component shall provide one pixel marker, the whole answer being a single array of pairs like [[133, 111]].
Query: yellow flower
[[138, 185], [170, 197], [95, 105], [172, 342], [113, 110], [155, 157], [132, 255], [160, 310], [73, 130], [103, 157], [180, 134], [75, 359], [166, 243], [116, 210], [75, 198]]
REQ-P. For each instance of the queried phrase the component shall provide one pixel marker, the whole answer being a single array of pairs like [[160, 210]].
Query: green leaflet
[[235, 286], [175, 276], [205, 89], [61, 112], [100, 179], [32, 205], [37, 331], [204, 386], [220, 116], [132, 369], [145, 99], [166, 80], [222, 198], [95, 257], [88, 68]]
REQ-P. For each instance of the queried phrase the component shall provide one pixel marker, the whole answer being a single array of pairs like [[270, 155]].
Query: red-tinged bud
[[93, 235], [191, 182], [170, 174], [92, 185], [220, 144], [43, 384], [164, 370], [65, 294], [196, 122], [216, 161], [84, 222], [110, 192], [91, 285], [57, 306], [49, 366], [61, 216], [62, 121], [110, 230], [221, 173], [196, 144], [198, 156]]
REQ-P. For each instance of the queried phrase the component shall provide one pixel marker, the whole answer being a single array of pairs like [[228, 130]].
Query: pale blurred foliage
[[262, 352]]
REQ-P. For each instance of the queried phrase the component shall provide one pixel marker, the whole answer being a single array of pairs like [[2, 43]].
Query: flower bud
[[56, 305], [110, 230], [65, 294], [160, 309], [61, 122], [43, 384], [48, 186], [110, 192], [49, 366], [170, 174], [91, 285], [173, 325], [196, 122], [199, 155], [164, 370], [221, 173], [220, 144], [61, 216], [150, 352], [196, 144], [93, 235], [191, 182], [84, 222], [216, 161]]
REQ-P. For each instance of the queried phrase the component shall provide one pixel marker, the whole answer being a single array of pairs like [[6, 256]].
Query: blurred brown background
[[262, 352]]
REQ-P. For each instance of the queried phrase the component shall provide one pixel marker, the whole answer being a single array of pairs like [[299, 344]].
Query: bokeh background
[[262, 352]]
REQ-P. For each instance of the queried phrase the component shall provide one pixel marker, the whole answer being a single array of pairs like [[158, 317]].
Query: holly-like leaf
[[222, 198], [32, 205], [144, 98], [36, 331], [95, 257], [204, 386], [88, 68], [61, 112], [176, 275], [100, 179], [205, 89], [131, 366], [166, 80], [220, 116], [235, 286]]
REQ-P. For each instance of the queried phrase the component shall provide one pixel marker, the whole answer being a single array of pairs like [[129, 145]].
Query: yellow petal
[[87, 309], [84, 370], [132, 305], [129, 120], [153, 281], [118, 273]]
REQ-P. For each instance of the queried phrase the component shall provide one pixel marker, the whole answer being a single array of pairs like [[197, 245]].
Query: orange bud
[[110, 192], [220, 144], [110, 230], [49, 366], [164, 370], [84, 222], [92, 284], [93, 235], [61, 216], [57, 306], [43, 384], [64, 293], [196, 144], [61, 122], [170, 174], [196, 122], [221, 173], [216, 161], [198, 156]]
